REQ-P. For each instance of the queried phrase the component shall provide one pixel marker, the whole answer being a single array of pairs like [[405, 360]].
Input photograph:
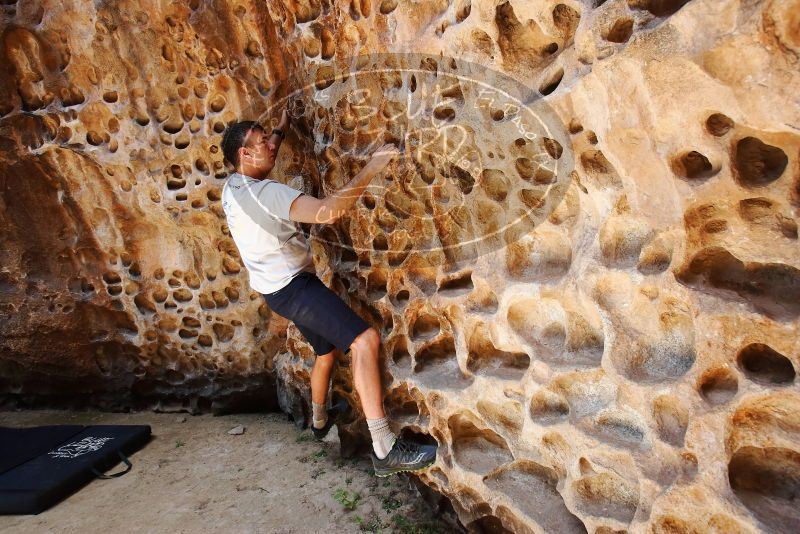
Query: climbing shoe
[[335, 412], [405, 456]]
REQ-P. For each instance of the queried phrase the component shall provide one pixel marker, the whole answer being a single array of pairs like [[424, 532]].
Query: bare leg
[[321, 376], [366, 373]]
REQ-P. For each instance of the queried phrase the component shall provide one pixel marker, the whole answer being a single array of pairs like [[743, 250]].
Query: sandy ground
[[194, 477]]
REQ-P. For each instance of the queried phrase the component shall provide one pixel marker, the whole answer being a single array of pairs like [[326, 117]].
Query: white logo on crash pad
[[79, 448]]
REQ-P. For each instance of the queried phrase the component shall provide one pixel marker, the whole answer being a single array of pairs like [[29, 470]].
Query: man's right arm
[[307, 209]]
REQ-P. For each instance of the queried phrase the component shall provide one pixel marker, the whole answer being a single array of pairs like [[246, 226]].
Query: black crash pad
[[40, 466]]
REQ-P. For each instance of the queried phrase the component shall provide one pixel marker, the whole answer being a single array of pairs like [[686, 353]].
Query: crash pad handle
[[98, 474]]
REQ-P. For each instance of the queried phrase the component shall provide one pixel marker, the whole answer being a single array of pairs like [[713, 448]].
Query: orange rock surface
[[596, 318]]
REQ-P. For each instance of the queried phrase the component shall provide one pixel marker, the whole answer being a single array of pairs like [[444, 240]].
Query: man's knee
[[325, 360], [367, 342]]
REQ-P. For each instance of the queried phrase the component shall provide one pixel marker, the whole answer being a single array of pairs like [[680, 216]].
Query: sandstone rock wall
[[599, 326], [594, 372], [120, 284]]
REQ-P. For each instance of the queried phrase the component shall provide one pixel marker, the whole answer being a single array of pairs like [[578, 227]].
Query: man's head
[[246, 146]]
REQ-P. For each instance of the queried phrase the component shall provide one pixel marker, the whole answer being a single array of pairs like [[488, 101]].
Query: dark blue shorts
[[321, 316]]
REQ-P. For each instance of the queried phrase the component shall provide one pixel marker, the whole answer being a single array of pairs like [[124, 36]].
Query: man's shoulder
[[235, 181]]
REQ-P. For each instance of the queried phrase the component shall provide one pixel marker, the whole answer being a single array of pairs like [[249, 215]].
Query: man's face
[[258, 153]]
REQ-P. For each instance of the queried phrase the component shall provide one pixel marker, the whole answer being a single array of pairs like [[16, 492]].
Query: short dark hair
[[233, 139]]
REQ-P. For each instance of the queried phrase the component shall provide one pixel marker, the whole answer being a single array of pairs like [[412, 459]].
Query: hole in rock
[[621, 31], [607, 495], [463, 11], [488, 524], [533, 489], [539, 323], [379, 242], [553, 147], [464, 180], [552, 82], [761, 363], [487, 359], [409, 433], [566, 19], [693, 165], [476, 449], [715, 226], [594, 162], [112, 278], [424, 279], [548, 407], [376, 284], [444, 113], [400, 355], [672, 417], [525, 168], [402, 404], [402, 297], [718, 386], [368, 200], [425, 326], [620, 427], [532, 198], [758, 163], [506, 415], [767, 481], [773, 288], [662, 8], [756, 209], [185, 333], [718, 124], [440, 367], [495, 184], [460, 284], [348, 256]]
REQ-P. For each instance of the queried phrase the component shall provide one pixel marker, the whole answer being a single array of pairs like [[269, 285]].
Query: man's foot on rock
[[405, 457], [339, 408]]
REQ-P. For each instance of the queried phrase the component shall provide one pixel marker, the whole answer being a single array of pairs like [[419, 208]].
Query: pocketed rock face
[[592, 373], [626, 362], [120, 283]]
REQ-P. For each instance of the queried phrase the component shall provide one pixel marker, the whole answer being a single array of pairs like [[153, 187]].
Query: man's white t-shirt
[[272, 246]]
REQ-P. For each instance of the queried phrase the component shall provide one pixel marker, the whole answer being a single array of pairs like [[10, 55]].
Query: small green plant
[[369, 526], [318, 473], [402, 524], [320, 454], [389, 503], [179, 443], [305, 436], [348, 500]]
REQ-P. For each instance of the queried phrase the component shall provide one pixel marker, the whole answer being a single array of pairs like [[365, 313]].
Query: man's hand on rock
[[284, 122], [381, 158]]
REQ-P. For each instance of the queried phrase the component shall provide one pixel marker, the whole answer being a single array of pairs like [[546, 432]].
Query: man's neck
[[252, 174]]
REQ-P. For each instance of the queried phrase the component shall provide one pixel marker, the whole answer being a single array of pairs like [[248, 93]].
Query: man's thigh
[[315, 308]]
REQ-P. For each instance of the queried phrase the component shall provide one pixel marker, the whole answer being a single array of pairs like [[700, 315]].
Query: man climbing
[[262, 217]]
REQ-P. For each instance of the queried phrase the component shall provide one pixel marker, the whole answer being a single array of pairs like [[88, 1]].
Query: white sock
[[382, 437], [319, 414]]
